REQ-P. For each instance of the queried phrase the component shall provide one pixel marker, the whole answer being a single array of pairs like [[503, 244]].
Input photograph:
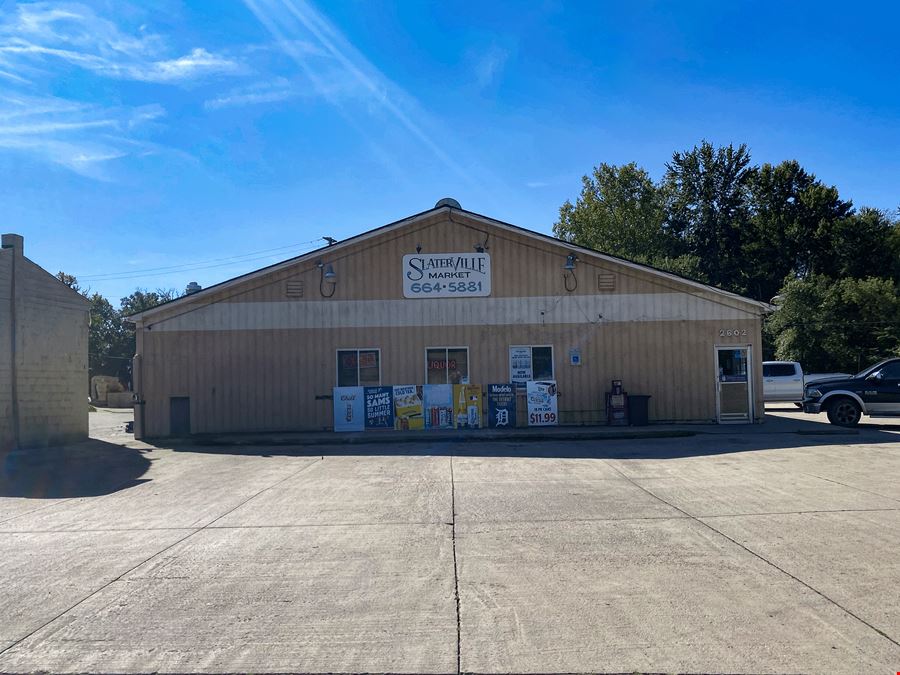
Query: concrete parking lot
[[735, 550]]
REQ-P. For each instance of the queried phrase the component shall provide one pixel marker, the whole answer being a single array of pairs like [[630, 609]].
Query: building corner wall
[[43, 357]]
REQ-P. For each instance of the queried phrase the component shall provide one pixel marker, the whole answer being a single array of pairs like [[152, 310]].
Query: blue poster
[[501, 406], [349, 409], [379, 407]]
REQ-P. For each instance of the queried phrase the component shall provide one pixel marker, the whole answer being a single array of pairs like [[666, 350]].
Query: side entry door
[[733, 385]]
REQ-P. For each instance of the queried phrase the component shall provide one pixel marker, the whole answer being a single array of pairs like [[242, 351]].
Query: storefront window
[[447, 365], [527, 362], [542, 362], [358, 367]]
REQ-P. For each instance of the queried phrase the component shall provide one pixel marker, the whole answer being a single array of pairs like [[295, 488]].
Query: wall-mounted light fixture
[[327, 277], [418, 248], [569, 270]]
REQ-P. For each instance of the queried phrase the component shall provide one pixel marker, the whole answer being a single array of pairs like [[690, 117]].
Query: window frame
[[531, 351], [447, 359], [337, 365]]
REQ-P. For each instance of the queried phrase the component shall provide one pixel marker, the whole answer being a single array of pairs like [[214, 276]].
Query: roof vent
[[448, 201], [192, 287]]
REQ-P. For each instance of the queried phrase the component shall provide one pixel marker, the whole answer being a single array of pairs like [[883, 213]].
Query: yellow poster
[[467, 406], [408, 409]]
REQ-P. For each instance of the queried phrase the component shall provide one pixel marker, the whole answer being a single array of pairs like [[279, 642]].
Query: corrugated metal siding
[[248, 379], [269, 380]]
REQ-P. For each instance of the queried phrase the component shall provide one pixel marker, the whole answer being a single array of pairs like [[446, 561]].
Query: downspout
[[137, 381]]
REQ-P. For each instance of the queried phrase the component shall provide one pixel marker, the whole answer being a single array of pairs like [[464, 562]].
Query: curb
[[377, 438]]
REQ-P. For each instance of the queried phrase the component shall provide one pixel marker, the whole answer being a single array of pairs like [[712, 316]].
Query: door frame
[[750, 410]]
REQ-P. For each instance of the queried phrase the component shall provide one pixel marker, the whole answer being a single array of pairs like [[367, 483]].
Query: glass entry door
[[733, 384]]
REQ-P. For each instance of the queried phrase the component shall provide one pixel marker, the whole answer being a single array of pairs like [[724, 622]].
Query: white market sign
[[446, 275]]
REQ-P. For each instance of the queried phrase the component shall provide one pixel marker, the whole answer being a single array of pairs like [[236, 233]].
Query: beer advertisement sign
[[349, 409], [541, 397], [467, 406], [501, 406], [408, 408], [379, 407], [438, 406]]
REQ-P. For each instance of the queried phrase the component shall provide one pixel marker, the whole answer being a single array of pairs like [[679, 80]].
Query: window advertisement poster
[[379, 407], [438, 406], [467, 406], [541, 403], [501, 406], [408, 408], [349, 409], [520, 370]]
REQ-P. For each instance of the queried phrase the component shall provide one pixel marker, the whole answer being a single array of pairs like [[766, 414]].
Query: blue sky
[[223, 136]]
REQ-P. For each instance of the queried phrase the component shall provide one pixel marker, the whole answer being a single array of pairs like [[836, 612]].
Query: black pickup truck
[[874, 392]]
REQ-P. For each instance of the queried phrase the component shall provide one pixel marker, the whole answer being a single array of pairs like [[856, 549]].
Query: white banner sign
[[446, 275], [541, 403]]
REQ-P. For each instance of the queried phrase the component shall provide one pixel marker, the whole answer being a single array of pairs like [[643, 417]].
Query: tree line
[[773, 232], [111, 340]]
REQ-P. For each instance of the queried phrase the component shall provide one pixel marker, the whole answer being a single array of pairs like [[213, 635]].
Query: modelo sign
[[446, 275]]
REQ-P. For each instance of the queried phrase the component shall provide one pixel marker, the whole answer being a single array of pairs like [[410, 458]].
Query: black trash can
[[638, 406]]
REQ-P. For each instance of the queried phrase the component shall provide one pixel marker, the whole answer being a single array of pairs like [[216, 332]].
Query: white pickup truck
[[784, 381]]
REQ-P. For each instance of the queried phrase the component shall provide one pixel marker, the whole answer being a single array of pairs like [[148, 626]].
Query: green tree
[[793, 222], [862, 244], [70, 281], [109, 340], [707, 208], [619, 212], [842, 324], [142, 299]]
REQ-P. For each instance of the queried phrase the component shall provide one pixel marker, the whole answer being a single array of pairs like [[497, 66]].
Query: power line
[[199, 265]]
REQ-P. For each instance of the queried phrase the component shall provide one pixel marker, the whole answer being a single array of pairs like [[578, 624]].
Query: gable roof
[[756, 305]]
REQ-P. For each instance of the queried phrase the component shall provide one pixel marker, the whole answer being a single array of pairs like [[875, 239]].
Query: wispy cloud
[[78, 136], [489, 65], [38, 34], [40, 42], [534, 184], [280, 89]]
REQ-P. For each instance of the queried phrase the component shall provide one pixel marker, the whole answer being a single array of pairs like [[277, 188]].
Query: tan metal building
[[43, 354], [444, 296]]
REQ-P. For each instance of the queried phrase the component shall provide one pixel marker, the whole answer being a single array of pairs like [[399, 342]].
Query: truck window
[[779, 370]]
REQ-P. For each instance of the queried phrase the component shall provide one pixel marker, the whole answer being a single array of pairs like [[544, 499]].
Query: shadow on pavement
[[86, 469]]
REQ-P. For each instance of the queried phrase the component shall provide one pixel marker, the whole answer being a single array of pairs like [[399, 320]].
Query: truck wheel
[[844, 412]]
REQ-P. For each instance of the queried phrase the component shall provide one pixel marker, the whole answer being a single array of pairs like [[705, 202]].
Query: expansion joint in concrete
[[852, 487], [760, 557], [455, 568], [131, 569]]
